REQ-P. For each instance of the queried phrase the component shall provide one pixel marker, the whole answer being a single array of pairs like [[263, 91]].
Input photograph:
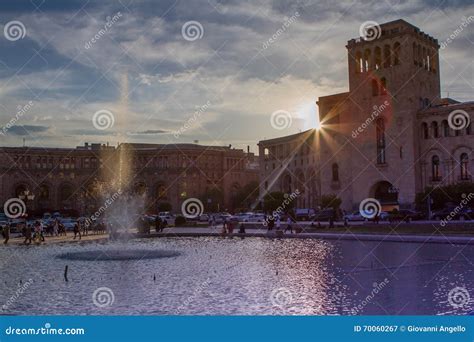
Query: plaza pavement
[[252, 230]]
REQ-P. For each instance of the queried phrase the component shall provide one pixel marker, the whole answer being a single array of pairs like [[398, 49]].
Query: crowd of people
[[36, 231]]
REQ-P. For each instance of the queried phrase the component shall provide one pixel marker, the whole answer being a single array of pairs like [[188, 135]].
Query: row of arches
[[385, 57], [456, 167], [306, 184], [442, 130]]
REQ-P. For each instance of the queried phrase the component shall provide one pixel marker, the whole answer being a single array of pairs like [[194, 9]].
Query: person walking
[[77, 231], [27, 234], [6, 233]]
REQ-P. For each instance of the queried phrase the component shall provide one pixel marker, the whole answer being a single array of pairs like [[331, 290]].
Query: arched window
[[380, 135], [424, 130], [464, 161], [367, 65], [415, 54], [335, 172], [468, 129], [359, 62], [377, 58], [445, 127], [423, 56], [396, 54], [383, 86], [435, 168], [387, 58], [434, 129], [375, 87]]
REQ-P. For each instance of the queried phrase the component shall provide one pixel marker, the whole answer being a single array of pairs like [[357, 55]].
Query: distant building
[[391, 135], [70, 178]]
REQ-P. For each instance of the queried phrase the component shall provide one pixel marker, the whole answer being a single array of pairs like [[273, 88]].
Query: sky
[[217, 72]]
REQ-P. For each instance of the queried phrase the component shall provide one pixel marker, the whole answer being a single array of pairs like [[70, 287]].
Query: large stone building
[[391, 135], [70, 178]]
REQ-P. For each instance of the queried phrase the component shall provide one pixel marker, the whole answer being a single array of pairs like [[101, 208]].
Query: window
[[464, 160], [468, 129], [359, 62], [377, 58], [435, 168], [415, 54], [380, 135], [424, 130], [396, 54], [367, 65], [445, 127], [387, 58], [335, 172], [383, 87], [375, 87], [434, 129]]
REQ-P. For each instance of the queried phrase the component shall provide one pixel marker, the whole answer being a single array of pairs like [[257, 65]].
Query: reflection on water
[[241, 277]]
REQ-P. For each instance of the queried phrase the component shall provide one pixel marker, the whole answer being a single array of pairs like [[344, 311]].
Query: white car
[[355, 216], [256, 218]]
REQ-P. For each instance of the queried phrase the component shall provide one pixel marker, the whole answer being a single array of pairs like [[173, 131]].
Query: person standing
[[56, 227], [288, 225], [278, 223]]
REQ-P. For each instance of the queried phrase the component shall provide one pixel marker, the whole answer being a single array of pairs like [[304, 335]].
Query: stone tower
[[371, 134]]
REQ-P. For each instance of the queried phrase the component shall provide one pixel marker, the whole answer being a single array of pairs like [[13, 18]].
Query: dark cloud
[[23, 130]]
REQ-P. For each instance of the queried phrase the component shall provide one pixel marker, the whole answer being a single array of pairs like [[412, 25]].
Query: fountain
[[122, 206]]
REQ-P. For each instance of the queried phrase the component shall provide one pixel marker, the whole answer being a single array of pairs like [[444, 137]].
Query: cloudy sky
[[218, 82]]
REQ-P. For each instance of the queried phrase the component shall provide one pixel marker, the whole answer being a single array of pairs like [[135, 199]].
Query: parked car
[[354, 216], [405, 215], [204, 218], [455, 213], [68, 223], [256, 218], [324, 215], [304, 214]]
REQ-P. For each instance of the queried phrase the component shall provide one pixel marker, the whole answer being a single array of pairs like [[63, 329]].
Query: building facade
[[70, 179], [392, 135]]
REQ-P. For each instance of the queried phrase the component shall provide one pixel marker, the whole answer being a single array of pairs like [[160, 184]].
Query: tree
[[246, 196], [277, 199], [164, 206], [212, 199], [442, 196], [331, 201]]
